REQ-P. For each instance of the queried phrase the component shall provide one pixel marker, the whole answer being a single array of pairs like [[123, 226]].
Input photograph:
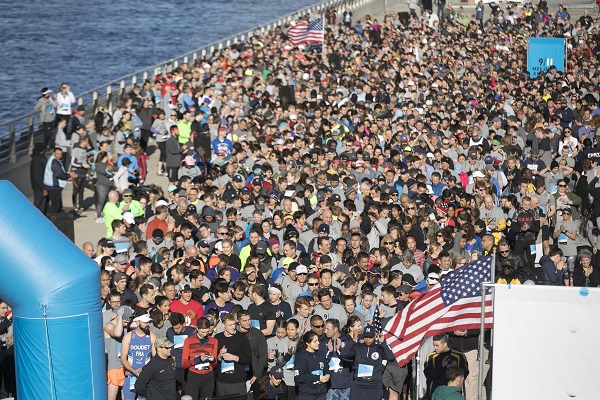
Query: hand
[[205, 297], [329, 346], [228, 357], [223, 351], [594, 250], [460, 333], [324, 378], [120, 311], [525, 227], [45, 193], [252, 380], [137, 372], [85, 165]]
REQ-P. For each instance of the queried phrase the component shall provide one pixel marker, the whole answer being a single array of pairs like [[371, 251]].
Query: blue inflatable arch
[[53, 289]]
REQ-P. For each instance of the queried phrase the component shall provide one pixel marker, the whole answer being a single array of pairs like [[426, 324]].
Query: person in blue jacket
[[369, 359], [311, 369]]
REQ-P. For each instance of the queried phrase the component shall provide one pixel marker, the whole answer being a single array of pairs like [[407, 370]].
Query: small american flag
[[452, 304], [307, 31]]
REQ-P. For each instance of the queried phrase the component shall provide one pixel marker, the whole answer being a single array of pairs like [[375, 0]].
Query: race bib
[[335, 364], [532, 248], [178, 341], [365, 371], [227, 367], [290, 364], [256, 323]]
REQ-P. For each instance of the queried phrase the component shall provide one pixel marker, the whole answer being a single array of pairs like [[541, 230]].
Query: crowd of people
[[313, 196]]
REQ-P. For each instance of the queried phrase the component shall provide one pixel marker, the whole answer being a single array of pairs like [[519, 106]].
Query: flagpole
[[323, 54], [482, 328]]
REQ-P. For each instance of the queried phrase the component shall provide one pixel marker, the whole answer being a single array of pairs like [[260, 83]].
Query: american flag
[[453, 304], [307, 31]]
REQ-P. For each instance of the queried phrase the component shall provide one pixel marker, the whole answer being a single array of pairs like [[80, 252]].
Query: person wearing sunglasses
[[504, 254]]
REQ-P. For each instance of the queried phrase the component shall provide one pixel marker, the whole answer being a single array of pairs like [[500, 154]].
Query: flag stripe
[[452, 304], [307, 31]]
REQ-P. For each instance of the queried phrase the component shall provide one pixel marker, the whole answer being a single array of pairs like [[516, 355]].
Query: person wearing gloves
[[200, 358], [369, 358], [311, 369], [157, 379]]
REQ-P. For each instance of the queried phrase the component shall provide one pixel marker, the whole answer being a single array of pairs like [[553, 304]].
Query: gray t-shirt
[[336, 311]]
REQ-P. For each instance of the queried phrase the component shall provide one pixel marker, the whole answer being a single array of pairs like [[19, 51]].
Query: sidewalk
[[86, 228]]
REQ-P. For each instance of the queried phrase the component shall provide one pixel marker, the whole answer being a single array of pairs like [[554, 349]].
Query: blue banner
[[542, 53]]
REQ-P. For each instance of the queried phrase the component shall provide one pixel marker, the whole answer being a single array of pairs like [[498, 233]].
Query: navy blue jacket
[[307, 370], [360, 353]]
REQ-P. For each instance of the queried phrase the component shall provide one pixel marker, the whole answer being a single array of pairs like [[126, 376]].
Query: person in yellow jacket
[[184, 126], [131, 205]]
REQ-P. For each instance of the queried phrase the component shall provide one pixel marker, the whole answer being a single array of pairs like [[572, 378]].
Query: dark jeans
[[231, 388], [46, 128], [200, 386], [54, 201], [39, 200], [523, 248], [77, 196], [144, 139], [101, 197]]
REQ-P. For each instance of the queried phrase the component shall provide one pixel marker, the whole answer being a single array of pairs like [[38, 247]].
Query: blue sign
[[542, 53]]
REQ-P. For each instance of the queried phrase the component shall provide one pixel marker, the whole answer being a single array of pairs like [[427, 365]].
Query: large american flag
[[453, 304], [307, 31]]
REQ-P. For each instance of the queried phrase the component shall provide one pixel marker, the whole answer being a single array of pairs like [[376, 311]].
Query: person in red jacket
[[191, 309], [200, 357]]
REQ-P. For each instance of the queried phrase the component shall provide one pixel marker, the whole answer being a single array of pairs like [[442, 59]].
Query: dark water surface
[[87, 44]]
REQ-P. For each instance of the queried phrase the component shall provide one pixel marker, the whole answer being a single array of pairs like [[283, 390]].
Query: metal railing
[[18, 136]]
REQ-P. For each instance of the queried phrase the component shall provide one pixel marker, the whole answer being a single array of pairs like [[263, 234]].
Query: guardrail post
[[109, 105], [31, 133], [133, 80], [121, 89], [12, 156], [145, 76], [94, 102]]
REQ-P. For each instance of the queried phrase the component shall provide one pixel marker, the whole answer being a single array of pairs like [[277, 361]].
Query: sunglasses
[[313, 284], [387, 243], [127, 195], [317, 326], [504, 251], [302, 274], [412, 208], [562, 185]]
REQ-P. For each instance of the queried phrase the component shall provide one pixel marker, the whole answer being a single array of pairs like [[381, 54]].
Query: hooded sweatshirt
[[447, 393]]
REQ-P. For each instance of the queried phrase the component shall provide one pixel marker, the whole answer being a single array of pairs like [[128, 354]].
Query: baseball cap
[[325, 259], [119, 276], [343, 269], [301, 269], [163, 342], [433, 278], [238, 178], [108, 243], [128, 217], [323, 228], [478, 174], [404, 289], [245, 190], [121, 258], [374, 271], [369, 331], [158, 234], [127, 192], [203, 243], [277, 372], [261, 247], [145, 318], [287, 261]]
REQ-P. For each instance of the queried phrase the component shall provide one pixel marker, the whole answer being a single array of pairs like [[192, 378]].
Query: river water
[[87, 44]]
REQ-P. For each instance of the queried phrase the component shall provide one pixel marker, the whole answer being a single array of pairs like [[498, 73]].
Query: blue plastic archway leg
[[53, 289]]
